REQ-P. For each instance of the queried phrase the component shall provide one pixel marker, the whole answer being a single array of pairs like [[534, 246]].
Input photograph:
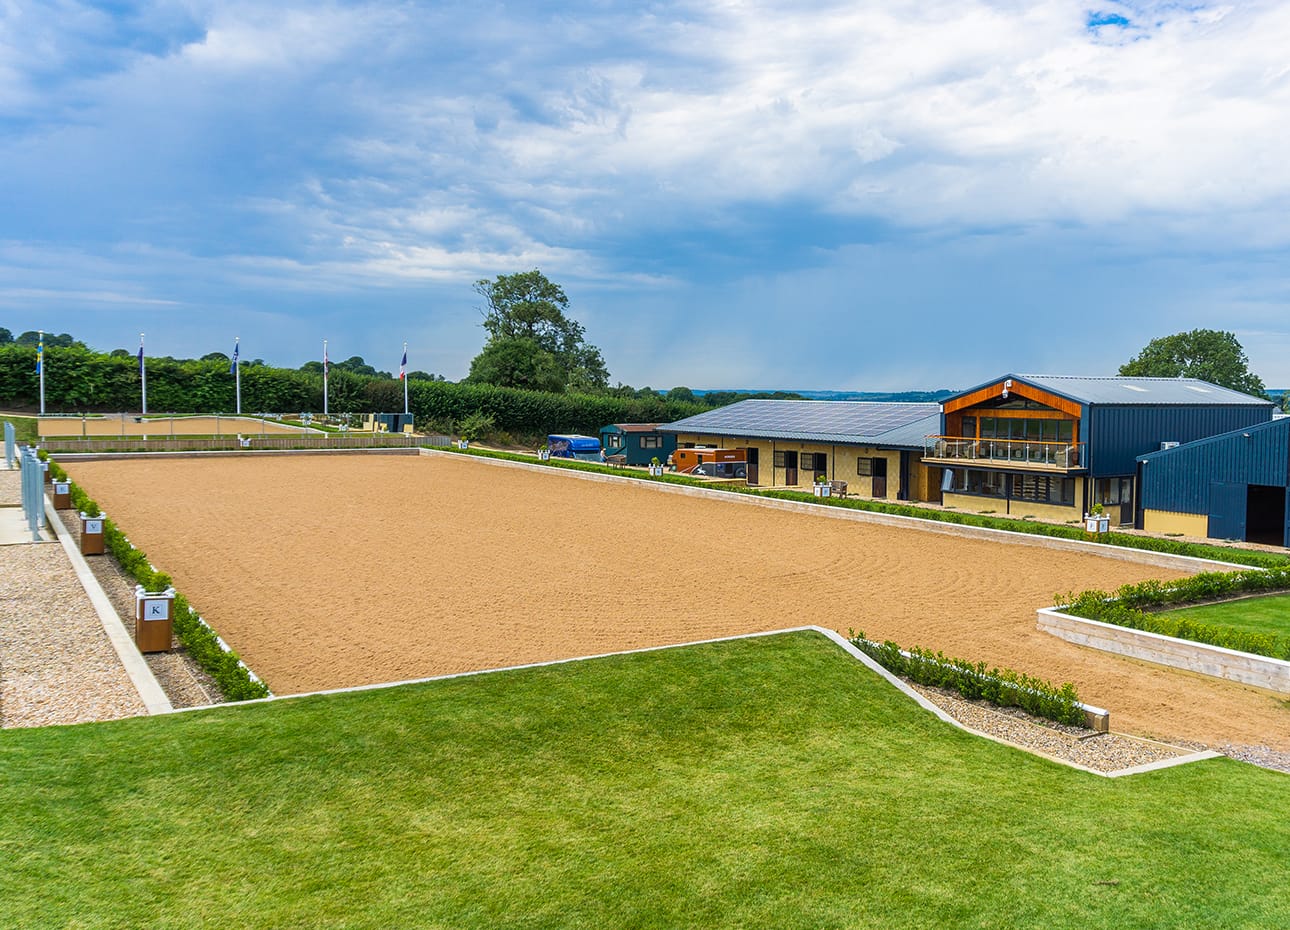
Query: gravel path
[[56, 664]]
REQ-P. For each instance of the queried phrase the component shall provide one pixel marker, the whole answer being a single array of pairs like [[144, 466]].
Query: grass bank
[[1270, 614], [768, 782]]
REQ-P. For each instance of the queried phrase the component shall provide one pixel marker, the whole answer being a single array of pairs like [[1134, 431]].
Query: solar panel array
[[813, 420]]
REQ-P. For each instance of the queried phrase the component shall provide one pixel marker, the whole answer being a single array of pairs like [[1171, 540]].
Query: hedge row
[[199, 640], [80, 380], [1125, 608], [1056, 531], [974, 681]]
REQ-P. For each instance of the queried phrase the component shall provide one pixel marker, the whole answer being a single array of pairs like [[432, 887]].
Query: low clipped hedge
[[974, 681], [200, 641], [1126, 607], [1033, 527]]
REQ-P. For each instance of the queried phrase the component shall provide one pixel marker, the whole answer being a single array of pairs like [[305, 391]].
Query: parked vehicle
[[712, 463], [574, 446]]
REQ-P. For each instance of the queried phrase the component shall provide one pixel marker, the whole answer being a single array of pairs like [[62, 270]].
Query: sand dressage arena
[[325, 571], [125, 425]]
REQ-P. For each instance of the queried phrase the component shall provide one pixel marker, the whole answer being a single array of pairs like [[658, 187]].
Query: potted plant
[[822, 487], [655, 467]]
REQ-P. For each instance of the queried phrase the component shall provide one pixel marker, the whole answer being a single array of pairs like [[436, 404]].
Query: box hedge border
[[1125, 607], [974, 681], [235, 680], [1032, 527]]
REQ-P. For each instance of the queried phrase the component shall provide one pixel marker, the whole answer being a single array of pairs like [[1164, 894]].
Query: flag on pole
[[403, 365], [40, 354], [140, 357], [232, 367], [326, 364]]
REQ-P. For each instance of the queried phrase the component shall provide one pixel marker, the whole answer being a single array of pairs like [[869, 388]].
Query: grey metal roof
[[858, 422], [1278, 423], [1136, 391]]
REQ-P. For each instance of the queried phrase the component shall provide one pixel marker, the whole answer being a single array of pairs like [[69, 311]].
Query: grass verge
[[1268, 615], [761, 783]]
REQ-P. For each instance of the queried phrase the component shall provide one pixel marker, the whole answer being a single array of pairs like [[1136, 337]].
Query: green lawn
[[768, 783], [1270, 614], [24, 427]]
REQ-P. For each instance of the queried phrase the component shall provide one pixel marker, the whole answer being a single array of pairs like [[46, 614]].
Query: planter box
[[92, 534], [656, 471], [62, 495], [822, 490]]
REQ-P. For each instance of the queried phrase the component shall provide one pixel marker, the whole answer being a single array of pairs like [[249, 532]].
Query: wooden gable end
[[1019, 388]]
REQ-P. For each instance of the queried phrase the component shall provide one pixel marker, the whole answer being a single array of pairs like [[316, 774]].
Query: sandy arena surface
[[162, 426], [326, 571]]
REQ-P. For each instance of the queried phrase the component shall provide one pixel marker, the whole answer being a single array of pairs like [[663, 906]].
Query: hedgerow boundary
[[235, 680], [1125, 606], [1110, 540]]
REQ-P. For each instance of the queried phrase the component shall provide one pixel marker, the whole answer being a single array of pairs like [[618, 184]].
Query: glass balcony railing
[[1022, 453]]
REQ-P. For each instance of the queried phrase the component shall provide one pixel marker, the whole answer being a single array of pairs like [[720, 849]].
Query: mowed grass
[[1269, 614], [771, 782]]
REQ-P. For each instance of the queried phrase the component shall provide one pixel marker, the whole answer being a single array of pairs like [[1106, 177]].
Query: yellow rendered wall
[[842, 465], [1164, 521]]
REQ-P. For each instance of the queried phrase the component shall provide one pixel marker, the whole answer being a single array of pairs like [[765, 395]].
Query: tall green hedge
[[79, 380]]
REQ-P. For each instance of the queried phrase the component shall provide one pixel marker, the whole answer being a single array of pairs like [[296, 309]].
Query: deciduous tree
[[1208, 354]]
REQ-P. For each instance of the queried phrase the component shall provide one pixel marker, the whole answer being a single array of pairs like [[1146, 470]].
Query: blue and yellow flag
[[40, 355]]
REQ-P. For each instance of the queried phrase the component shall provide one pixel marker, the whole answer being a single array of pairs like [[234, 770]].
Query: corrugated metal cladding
[[1179, 480], [1116, 436]]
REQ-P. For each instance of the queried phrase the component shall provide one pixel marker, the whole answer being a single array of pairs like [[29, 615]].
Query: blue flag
[[140, 358], [233, 364], [40, 355]]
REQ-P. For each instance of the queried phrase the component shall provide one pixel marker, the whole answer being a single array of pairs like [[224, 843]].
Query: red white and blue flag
[[403, 365], [326, 364]]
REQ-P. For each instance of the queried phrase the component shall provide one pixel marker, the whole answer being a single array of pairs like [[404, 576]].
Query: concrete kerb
[[150, 692], [67, 457], [1215, 661], [1183, 563], [832, 635]]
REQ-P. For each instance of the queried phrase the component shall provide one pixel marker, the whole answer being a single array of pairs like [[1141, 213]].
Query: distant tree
[[214, 357], [314, 368], [517, 362], [682, 394], [526, 315], [1208, 354], [419, 375], [6, 337], [120, 353], [60, 341]]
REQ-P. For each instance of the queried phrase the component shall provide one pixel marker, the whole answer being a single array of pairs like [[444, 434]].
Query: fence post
[[10, 439]]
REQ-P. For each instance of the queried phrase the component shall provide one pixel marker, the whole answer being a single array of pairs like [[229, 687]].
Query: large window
[[1042, 489], [651, 442], [613, 441], [815, 461]]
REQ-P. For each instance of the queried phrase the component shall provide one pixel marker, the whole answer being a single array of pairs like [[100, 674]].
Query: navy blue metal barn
[[1230, 486]]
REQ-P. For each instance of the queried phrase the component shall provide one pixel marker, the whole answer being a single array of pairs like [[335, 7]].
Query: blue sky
[[855, 196]]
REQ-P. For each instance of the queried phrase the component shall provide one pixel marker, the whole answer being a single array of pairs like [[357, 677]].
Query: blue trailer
[[574, 446]]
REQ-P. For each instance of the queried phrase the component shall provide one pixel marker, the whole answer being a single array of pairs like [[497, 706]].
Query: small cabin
[[388, 422], [640, 443]]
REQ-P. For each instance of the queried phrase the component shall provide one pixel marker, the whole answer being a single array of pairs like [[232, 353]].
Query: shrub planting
[[975, 682], [1126, 607], [200, 641]]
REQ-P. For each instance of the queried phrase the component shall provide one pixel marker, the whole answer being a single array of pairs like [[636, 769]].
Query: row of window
[[1021, 430], [615, 441], [1043, 489], [819, 461]]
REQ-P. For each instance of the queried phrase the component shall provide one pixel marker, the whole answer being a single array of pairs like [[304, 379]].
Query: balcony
[[1011, 453]]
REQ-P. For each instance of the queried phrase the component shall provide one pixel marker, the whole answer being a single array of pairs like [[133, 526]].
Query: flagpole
[[237, 374], [40, 368], [324, 377], [403, 374], [143, 375]]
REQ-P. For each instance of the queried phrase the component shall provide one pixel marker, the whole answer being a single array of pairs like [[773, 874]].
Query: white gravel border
[[154, 699]]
